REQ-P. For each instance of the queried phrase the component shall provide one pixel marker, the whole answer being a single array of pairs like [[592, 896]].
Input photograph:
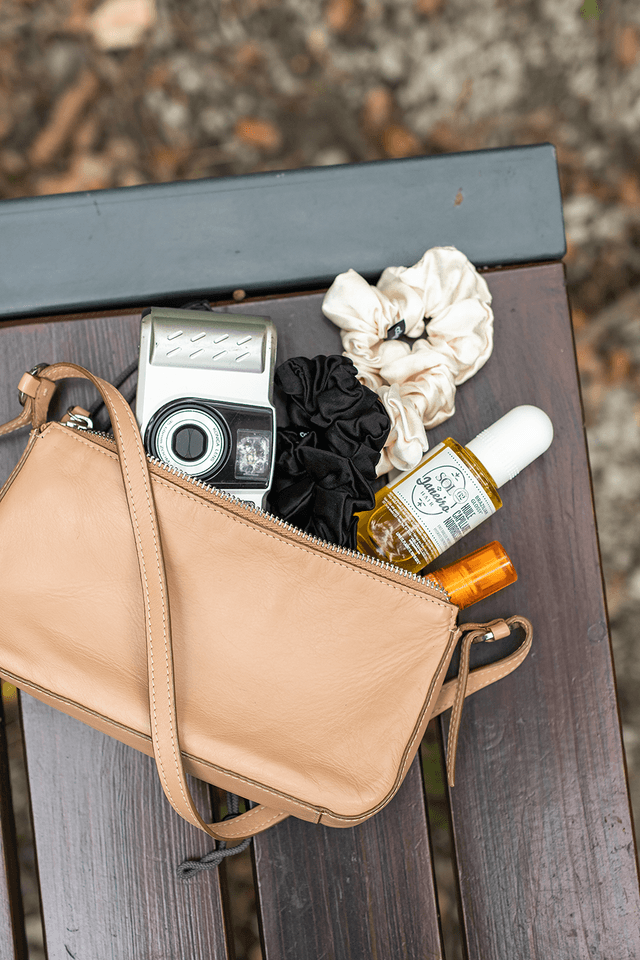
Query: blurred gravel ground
[[120, 92]]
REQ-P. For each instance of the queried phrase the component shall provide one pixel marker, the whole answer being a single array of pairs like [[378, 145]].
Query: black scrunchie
[[326, 458]]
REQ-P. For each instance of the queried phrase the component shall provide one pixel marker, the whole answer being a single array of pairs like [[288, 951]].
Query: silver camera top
[[204, 400]]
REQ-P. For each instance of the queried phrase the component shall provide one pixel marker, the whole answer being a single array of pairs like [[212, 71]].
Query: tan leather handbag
[[213, 636]]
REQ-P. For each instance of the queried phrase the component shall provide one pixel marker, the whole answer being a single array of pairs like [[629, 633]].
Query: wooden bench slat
[[541, 815], [367, 891], [108, 847], [12, 938]]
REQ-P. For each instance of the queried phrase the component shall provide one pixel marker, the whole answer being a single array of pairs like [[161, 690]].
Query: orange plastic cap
[[476, 576]]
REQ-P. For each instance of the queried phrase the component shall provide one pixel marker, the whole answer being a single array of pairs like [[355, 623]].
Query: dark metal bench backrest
[[294, 229]]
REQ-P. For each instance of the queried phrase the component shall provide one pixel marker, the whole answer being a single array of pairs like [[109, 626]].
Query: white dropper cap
[[512, 442]]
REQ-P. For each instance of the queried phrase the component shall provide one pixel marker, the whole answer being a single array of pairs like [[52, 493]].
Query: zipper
[[177, 474]]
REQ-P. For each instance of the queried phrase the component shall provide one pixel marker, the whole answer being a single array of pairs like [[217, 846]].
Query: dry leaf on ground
[[63, 118], [378, 108], [341, 15], [620, 365], [429, 8], [399, 141], [120, 24], [259, 133], [629, 190], [628, 46]]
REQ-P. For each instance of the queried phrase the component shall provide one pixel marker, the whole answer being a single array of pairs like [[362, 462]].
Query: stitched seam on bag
[[292, 801], [458, 704], [33, 436], [409, 752], [194, 819], [499, 676], [519, 657], [486, 676], [143, 464], [146, 588], [258, 529], [256, 810]]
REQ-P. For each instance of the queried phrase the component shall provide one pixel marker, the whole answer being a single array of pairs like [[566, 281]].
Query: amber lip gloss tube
[[476, 576]]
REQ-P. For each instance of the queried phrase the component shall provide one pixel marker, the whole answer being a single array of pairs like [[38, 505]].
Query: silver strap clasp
[[76, 420]]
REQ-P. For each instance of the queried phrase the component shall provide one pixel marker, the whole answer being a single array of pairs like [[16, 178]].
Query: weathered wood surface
[[543, 831], [108, 846], [367, 891], [12, 940]]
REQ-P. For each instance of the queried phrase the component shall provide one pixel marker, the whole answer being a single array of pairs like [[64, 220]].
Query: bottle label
[[444, 497]]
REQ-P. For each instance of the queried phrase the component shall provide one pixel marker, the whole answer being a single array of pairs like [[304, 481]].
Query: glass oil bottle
[[451, 491]]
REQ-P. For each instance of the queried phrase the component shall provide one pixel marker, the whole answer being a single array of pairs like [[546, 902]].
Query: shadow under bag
[[213, 636]]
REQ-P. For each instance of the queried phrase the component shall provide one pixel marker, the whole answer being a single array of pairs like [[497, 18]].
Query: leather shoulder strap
[[144, 521]]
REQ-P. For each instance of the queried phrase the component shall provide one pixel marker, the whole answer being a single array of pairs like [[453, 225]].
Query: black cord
[[198, 305], [129, 395], [189, 869]]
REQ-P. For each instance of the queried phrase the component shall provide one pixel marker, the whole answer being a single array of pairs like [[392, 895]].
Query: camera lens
[[189, 442], [190, 436]]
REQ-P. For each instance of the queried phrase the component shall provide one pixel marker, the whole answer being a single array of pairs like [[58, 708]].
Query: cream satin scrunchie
[[442, 296]]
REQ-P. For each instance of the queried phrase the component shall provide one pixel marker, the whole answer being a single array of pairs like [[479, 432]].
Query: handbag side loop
[[34, 393], [453, 692]]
